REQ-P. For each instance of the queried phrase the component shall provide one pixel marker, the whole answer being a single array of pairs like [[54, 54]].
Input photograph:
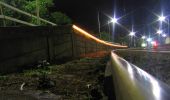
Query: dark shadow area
[[109, 88]]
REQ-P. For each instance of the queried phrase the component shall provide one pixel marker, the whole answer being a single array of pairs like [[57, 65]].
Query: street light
[[143, 37], [132, 34], [149, 39], [164, 35], [159, 31], [144, 45], [162, 18], [153, 42], [114, 20]]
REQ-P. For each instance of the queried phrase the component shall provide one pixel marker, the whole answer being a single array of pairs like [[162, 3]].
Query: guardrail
[[24, 13], [132, 83], [16, 20]]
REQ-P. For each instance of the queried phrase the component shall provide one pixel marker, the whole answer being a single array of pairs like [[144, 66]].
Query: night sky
[[138, 12]]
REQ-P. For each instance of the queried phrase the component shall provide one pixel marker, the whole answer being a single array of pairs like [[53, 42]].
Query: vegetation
[[30, 7], [37, 72], [60, 18], [105, 36]]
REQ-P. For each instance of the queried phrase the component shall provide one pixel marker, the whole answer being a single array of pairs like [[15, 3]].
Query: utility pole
[[109, 31], [4, 23], [168, 28], [38, 12], [98, 18]]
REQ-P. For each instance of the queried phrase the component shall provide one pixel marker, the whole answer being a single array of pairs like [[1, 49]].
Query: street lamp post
[[109, 31], [168, 27], [132, 34], [98, 20], [149, 40], [114, 21], [161, 19]]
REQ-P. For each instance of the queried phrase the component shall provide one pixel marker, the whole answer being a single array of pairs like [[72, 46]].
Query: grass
[[37, 72], [3, 77]]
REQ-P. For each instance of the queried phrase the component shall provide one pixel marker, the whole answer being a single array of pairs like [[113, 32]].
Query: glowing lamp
[[161, 18], [159, 31], [143, 37], [132, 34], [114, 20]]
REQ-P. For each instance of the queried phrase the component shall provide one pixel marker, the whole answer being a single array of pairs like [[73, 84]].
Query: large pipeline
[[132, 83]]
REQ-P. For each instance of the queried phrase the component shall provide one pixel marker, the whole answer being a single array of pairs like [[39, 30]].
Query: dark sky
[[138, 12]]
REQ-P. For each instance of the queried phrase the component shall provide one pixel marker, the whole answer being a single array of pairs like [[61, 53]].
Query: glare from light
[[161, 18], [153, 42], [155, 88], [143, 37], [132, 34], [159, 31], [149, 39], [143, 44], [88, 35], [114, 20], [164, 35], [130, 70]]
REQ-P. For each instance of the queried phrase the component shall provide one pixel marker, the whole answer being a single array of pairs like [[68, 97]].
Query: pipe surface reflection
[[133, 83]]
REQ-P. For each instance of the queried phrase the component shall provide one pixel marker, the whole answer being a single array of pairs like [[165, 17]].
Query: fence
[[4, 17], [22, 46]]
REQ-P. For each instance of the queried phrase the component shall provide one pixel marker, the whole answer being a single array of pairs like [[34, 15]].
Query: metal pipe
[[16, 20], [25, 13], [132, 83]]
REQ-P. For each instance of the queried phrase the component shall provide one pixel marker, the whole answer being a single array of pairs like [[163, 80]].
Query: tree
[[105, 36], [43, 6], [56, 17], [43, 9], [60, 18], [30, 7]]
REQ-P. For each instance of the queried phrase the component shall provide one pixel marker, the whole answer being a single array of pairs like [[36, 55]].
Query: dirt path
[[75, 80]]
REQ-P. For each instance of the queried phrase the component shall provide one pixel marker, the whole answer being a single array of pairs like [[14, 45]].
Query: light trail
[[96, 39]]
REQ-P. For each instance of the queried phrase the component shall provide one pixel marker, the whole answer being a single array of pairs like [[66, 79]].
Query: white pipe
[[16, 20], [25, 13]]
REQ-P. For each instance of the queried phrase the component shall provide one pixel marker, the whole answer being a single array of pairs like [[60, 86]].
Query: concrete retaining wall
[[22, 46]]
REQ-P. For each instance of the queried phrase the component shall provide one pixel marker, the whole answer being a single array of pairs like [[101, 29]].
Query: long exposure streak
[[96, 39]]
